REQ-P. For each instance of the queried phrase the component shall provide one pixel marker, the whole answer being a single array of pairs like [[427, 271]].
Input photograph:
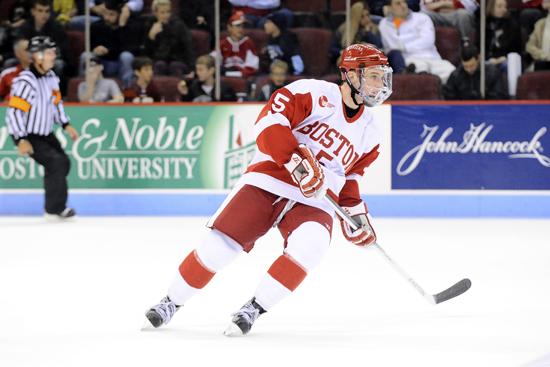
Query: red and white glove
[[365, 234], [306, 171]]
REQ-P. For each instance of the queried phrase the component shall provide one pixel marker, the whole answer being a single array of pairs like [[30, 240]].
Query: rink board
[[198, 204], [182, 160]]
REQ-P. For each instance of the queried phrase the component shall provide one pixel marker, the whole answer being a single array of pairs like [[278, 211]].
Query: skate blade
[[233, 330], [147, 325]]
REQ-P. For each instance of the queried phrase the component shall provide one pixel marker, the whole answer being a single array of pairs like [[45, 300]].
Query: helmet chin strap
[[354, 91]]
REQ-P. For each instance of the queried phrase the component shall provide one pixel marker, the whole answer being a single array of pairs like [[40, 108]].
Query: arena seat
[[169, 87], [333, 78], [516, 5], [340, 5], [306, 13], [201, 39], [314, 45], [239, 85], [534, 86], [447, 42], [5, 9], [77, 45], [147, 4], [415, 87]]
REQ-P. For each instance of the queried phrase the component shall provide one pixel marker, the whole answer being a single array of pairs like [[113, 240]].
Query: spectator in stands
[[8, 74], [168, 42], [256, 11], [364, 31], [6, 46], [538, 45], [143, 89], [100, 90], [282, 44], [502, 34], [458, 14], [379, 9], [115, 44], [531, 13], [239, 57], [19, 11], [97, 7], [65, 10], [197, 14], [278, 71], [42, 24], [464, 82], [203, 89], [414, 35]]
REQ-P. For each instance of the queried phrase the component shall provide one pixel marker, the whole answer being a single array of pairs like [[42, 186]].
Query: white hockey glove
[[307, 172], [365, 234]]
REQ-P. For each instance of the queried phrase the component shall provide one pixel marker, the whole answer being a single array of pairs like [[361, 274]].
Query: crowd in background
[[135, 41]]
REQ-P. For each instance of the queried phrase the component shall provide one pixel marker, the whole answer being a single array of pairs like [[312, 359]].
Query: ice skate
[[161, 313], [244, 319], [68, 214]]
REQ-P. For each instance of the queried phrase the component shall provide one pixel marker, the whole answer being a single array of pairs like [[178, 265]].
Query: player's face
[[373, 84], [371, 80], [163, 13]]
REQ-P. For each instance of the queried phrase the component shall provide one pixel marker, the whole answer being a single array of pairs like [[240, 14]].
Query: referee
[[34, 106]]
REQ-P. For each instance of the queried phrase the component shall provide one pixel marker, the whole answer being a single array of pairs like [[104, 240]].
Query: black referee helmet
[[40, 43]]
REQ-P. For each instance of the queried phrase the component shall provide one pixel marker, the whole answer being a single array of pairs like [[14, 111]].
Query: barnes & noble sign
[[145, 147]]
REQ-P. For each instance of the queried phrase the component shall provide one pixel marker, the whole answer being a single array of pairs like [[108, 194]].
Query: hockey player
[[313, 137]]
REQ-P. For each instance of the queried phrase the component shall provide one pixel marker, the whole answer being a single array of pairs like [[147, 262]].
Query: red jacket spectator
[[6, 80], [238, 52]]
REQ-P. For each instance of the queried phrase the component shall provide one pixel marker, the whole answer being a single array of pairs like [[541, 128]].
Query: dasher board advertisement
[[145, 147], [471, 147]]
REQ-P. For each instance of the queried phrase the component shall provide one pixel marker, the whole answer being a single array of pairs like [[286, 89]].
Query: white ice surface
[[73, 294]]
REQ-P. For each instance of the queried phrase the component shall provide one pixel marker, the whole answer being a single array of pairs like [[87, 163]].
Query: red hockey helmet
[[361, 59]]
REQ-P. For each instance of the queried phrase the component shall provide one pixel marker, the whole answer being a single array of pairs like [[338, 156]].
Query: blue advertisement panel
[[471, 147]]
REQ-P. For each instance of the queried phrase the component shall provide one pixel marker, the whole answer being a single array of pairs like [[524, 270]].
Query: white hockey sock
[[305, 248], [213, 253]]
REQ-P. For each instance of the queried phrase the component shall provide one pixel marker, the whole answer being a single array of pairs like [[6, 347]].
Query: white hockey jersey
[[312, 112]]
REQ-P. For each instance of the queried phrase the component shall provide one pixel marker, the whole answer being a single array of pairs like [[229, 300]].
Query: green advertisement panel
[[145, 147]]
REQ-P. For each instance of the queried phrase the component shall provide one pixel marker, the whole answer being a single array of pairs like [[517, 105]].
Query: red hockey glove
[[306, 171], [365, 234]]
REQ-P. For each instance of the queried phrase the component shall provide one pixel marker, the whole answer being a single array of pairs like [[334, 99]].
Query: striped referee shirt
[[35, 104]]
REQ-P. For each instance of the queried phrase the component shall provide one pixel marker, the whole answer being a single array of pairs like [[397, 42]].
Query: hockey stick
[[433, 299]]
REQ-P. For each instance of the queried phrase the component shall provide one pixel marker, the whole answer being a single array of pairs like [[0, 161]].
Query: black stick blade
[[454, 291]]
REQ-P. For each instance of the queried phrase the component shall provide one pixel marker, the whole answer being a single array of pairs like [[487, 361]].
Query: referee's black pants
[[48, 153]]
